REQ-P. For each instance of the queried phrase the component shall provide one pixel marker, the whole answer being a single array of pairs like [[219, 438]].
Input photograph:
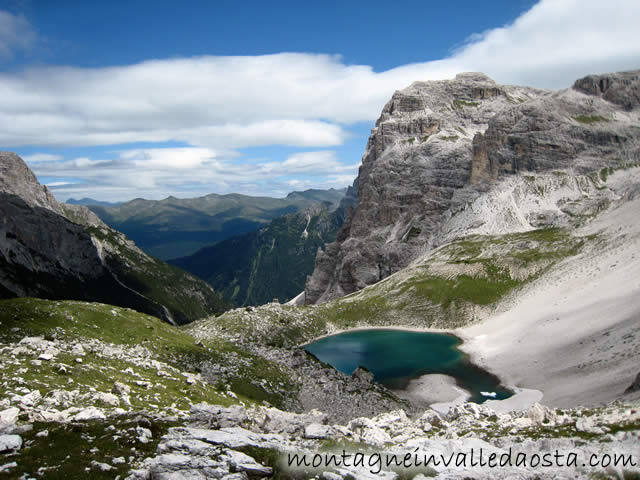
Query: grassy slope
[[254, 378], [186, 297], [450, 288]]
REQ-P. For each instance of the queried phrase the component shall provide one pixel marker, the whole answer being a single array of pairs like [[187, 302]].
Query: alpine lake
[[395, 357]]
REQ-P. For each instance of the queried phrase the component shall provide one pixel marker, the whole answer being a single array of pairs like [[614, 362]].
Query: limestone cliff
[[438, 144]]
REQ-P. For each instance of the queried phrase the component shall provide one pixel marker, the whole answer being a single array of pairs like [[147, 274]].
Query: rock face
[[57, 251], [438, 144]]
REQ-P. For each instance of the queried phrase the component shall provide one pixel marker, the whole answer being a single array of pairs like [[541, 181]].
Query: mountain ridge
[[173, 227], [61, 251]]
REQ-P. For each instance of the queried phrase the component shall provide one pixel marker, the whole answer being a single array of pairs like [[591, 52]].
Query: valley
[[503, 215]]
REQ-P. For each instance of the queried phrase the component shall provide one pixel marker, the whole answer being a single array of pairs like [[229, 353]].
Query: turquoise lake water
[[397, 356]]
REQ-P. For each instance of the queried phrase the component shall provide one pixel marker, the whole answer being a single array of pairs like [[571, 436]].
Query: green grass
[[66, 452], [478, 291], [590, 119], [457, 103], [252, 377], [449, 138]]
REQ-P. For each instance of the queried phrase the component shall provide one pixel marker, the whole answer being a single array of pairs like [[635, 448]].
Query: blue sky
[[117, 100]]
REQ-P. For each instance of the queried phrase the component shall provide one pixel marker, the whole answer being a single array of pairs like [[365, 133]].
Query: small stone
[[9, 416], [90, 413], [330, 476], [118, 461], [108, 398], [316, 431], [45, 356], [10, 443], [144, 434], [7, 466], [78, 360], [120, 388], [103, 467], [42, 433]]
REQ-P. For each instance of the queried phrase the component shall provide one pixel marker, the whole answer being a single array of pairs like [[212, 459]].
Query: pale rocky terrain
[[575, 332]]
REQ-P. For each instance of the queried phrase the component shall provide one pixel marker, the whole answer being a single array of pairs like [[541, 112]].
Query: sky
[[124, 99]]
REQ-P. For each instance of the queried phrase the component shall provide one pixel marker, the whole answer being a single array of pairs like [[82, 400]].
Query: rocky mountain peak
[[438, 144], [474, 77], [622, 88], [17, 179]]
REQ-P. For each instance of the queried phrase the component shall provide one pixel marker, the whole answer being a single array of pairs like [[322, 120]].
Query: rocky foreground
[[470, 441]]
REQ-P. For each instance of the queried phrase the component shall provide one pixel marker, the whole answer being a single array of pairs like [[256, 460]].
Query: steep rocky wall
[[438, 144]]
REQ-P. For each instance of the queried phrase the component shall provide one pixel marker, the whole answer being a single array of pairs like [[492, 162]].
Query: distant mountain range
[[173, 227], [271, 263], [90, 201]]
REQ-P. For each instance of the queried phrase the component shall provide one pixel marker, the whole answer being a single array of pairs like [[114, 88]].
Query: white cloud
[[294, 98], [41, 157], [220, 104], [159, 172], [16, 34], [59, 184]]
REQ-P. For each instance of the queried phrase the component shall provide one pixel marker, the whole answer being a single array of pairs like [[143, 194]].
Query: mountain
[[271, 263], [90, 201], [439, 145], [58, 251], [522, 241], [173, 227], [520, 238]]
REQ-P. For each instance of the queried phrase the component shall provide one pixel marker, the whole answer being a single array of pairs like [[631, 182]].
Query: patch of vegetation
[[457, 103], [590, 119], [483, 290], [449, 138], [252, 377], [68, 449]]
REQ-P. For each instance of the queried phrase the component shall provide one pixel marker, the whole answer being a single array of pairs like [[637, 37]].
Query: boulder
[[9, 416], [10, 443]]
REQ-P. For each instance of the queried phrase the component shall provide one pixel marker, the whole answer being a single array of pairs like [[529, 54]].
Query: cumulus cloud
[[218, 105], [41, 157], [16, 34], [159, 172]]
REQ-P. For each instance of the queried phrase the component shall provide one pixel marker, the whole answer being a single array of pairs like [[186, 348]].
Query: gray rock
[[103, 467], [120, 388], [634, 387], [215, 416], [437, 145], [241, 462], [10, 443], [9, 416], [622, 88], [89, 413], [363, 375], [317, 431], [8, 466]]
